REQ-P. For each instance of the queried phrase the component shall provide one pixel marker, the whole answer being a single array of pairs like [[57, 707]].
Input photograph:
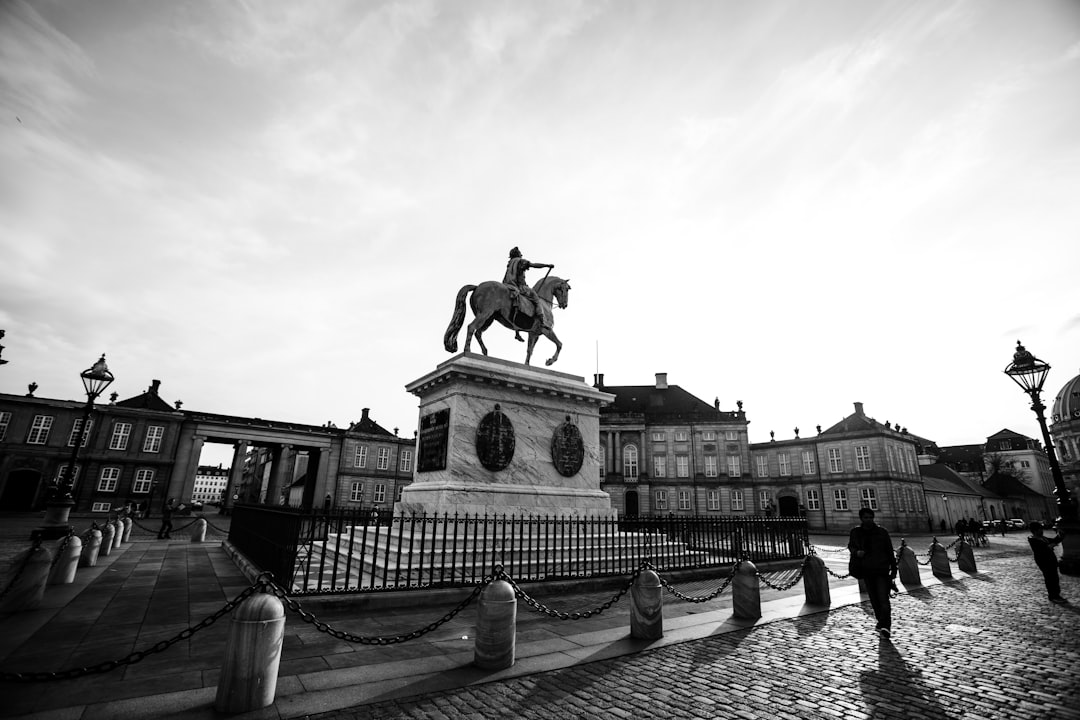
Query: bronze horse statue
[[491, 301]]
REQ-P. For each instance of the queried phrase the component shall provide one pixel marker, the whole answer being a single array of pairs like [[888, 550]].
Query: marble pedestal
[[459, 402]]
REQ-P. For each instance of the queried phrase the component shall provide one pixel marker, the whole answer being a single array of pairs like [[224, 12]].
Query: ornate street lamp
[[60, 501], [1029, 372]]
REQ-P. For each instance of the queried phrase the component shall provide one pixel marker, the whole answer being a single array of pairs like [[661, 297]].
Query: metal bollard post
[[107, 540], [746, 592], [127, 528], [63, 572], [28, 589], [249, 672], [118, 533], [816, 582], [965, 558], [939, 560], [198, 533], [908, 565], [91, 549], [647, 610], [496, 627]]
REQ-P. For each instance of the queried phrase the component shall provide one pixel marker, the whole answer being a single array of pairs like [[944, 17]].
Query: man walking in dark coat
[[871, 544]]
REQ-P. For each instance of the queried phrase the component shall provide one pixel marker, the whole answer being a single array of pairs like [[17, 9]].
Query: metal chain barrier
[[704, 598], [784, 587], [545, 610], [110, 665], [63, 546], [814, 551], [272, 587]]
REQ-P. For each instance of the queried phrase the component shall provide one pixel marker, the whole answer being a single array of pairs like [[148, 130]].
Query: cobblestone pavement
[[986, 646]]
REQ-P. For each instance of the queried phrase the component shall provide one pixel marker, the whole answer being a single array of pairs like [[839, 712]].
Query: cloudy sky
[[270, 206]]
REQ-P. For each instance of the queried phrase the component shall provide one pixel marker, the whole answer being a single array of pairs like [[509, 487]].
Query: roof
[[369, 426], [1006, 433], [149, 400], [940, 478], [656, 402], [1067, 402], [1008, 485]]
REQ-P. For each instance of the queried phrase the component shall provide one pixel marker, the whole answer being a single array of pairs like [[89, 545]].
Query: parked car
[[1016, 523]]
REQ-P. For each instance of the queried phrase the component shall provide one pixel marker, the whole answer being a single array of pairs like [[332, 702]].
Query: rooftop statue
[[513, 304]]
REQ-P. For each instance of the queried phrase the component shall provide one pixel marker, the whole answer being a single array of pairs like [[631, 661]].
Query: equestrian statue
[[514, 304]]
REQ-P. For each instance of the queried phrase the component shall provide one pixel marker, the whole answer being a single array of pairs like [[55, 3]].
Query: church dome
[[1067, 403]]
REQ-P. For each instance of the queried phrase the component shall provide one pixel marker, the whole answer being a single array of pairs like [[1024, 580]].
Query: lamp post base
[[1070, 547], [56, 520]]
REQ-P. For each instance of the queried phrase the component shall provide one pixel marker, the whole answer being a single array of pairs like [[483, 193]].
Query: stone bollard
[[647, 609], [118, 533], [28, 589], [965, 558], [198, 532], [127, 528], [908, 565], [63, 572], [91, 549], [249, 672], [496, 627], [816, 581], [746, 592], [939, 560], [107, 540]]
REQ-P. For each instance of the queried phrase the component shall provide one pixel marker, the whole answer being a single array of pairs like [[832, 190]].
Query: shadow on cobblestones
[[896, 678]]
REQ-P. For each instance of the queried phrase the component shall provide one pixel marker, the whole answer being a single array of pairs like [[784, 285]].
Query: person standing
[[166, 520], [1046, 559], [871, 544]]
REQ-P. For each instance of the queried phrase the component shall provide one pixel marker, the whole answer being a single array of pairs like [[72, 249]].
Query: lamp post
[[1029, 372], [60, 501]]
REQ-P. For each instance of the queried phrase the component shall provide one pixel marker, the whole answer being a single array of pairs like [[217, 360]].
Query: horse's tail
[[450, 338]]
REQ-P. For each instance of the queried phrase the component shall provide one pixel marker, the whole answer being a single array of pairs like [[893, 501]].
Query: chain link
[[704, 598], [787, 586], [545, 610]]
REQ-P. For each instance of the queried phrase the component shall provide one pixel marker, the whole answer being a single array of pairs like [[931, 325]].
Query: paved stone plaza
[[986, 645]]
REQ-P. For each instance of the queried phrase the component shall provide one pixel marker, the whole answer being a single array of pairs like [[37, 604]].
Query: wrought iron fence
[[358, 551]]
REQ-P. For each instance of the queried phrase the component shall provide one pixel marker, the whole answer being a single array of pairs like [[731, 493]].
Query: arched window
[[630, 462]]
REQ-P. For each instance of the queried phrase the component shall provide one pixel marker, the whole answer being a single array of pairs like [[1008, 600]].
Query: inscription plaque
[[434, 441], [495, 440], [567, 449]]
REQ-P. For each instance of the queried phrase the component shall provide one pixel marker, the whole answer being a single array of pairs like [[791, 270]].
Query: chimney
[[598, 381], [858, 409], [153, 390], [364, 414], [661, 381]]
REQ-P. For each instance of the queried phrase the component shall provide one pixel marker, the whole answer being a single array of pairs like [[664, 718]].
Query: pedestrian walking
[[1046, 559], [166, 520], [872, 553]]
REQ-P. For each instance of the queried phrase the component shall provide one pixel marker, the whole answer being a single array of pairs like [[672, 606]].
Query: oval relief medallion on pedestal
[[495, 440], [567, 449]]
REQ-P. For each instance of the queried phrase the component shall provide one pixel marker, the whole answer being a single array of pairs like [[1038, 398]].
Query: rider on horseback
[[515, 278]]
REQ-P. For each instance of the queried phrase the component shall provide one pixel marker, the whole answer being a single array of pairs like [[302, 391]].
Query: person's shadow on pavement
[[893, 676]]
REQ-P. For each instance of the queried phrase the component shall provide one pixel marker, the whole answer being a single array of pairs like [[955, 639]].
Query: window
[[836, 463], [360, 458], [76, 430], [891, 458], [1025, 463], [1006, 445], [714, 499], [734, 468], [659, 466], [684, 499], [785, 466], [380, 493], [109, 478], [708, 436], [101, 507], [405, 464], [809, 466], [63, 469], [356, 493], [736, 500], [840, 499], [630, 467], [710, 466], [907, 500], [143, 481], [682, 466], [154, 433], [813, 500], [762, 466], [39, 430], [680, 436], [5, 420], [397, 493], [731, 435], [383, 462], [661, 499], [862, 457], [658, 436], [869, 498], [120, 435]]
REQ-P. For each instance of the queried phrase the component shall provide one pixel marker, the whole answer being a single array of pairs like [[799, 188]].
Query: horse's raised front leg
[[550, 335]]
